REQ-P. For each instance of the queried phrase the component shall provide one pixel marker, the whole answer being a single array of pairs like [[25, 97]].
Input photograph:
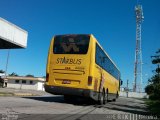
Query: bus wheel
[[116, 97], [105, 98], [101, 98]]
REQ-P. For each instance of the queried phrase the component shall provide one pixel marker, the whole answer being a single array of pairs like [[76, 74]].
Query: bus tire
[[101, 98], [114, 100], [116, 97], [106, 97]]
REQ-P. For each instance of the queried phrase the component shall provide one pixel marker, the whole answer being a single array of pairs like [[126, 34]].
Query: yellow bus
[[78, 66]]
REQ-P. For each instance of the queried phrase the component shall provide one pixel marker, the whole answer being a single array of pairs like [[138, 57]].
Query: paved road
[[54, 107]]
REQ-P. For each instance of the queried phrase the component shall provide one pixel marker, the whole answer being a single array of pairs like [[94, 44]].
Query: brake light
[[89, 80], [47, 77]]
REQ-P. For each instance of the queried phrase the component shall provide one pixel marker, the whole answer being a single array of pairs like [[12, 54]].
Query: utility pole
[[8, 54], [5, 78], [127, 85], [127, 89], [138, 50]]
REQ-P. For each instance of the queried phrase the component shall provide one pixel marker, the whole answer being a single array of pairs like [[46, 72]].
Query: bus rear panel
[[68, 69]]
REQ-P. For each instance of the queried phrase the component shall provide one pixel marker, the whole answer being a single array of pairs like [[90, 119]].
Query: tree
[[153, 89], [13, 74], [29, 75], [2, 71]]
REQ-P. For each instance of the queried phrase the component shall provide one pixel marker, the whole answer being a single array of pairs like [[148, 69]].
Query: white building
[[2, 74], [29, 83]]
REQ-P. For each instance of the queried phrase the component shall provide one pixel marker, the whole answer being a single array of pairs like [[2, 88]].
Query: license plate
[[66, 82]]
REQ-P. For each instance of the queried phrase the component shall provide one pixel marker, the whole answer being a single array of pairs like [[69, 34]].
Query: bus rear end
[[68, 67]]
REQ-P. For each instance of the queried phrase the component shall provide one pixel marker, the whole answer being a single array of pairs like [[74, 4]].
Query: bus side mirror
[[121, 82]]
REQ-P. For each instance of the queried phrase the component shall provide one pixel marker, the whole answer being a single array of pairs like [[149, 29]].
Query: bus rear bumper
[[58, 90]]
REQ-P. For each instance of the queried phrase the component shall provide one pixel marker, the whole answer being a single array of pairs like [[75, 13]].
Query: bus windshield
[[71, 44]]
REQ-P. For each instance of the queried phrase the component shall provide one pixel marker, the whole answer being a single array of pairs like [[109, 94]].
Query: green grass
[[153, 106]]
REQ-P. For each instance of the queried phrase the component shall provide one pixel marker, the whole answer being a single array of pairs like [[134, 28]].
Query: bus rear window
[[71, 44]]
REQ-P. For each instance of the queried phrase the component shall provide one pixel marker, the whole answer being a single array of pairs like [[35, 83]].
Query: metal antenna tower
[[138, 52]]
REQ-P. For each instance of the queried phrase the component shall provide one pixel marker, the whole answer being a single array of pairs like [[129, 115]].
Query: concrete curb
[[24, 94], [16, 94]]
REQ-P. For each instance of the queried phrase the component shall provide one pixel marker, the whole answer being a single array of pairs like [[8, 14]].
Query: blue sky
[[112, 22]]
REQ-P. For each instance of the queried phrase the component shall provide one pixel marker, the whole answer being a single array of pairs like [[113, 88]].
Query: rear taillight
[[89, 80], [47, 77]]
